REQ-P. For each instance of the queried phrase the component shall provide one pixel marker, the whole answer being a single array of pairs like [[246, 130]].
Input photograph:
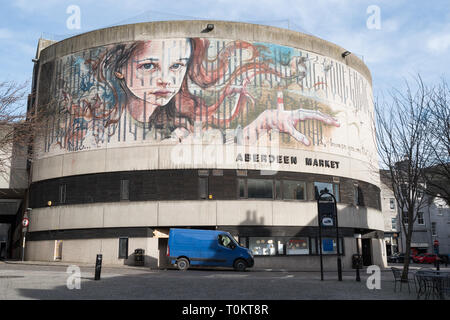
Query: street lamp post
[[323, 211]]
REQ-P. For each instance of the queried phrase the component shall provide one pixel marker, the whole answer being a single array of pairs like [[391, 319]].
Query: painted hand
[[285, 121]]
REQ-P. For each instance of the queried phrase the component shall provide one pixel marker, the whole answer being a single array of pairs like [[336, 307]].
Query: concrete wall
[[151, 157], [222, 29], [196, 213], [379, 256], [85, 251]]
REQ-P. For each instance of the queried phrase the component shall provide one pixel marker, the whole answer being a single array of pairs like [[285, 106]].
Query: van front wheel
[[240, 265], [182, 264]]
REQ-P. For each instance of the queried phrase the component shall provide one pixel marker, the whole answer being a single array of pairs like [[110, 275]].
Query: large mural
[[162, 91]]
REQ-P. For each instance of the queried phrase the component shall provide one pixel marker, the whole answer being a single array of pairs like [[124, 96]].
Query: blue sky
[[414, 36]]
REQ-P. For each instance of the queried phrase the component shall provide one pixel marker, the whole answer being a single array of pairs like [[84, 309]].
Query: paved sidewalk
[[48, 280]]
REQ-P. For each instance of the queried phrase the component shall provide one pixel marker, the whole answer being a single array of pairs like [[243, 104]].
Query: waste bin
[[357, 262], [139, 257]]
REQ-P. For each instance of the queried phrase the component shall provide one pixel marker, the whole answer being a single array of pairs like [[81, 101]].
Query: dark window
[[321, 187], [241, 185], [420, 218], [62, 193], [124, 190], [433, 229], [394, 223], [260, 188], [203, 188], [123, 248], [203, 173], [392, 203], [361, 201], [278, 194], [405, 217], [294, 190], [355, 195]]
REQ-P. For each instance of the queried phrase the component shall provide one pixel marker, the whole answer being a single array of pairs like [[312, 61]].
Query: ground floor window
[[277, 246], [263, 246], [297, 246], [123, 248]]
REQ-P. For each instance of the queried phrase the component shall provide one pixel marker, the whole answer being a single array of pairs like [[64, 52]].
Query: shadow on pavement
[[207, 285]]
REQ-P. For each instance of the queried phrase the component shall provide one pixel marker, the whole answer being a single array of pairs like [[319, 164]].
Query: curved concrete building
[[238, 127]]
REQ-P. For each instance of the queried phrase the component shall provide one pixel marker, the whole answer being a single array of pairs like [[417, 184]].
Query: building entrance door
[[163, 261], [367, 252], [388, 249]]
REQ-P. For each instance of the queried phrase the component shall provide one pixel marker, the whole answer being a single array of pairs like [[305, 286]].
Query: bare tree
[[402, 134], [18, 129], [438, 175], [12, 117]]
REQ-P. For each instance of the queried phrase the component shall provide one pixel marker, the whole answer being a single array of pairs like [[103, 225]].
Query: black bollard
[[98, 267], [339, 266]]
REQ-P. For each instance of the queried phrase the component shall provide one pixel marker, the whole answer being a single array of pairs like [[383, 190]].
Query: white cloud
[[5, 33], [32, 5], [438, 44]]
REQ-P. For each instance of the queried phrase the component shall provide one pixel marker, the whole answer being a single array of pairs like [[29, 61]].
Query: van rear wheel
[[240, 265], [182, 264]]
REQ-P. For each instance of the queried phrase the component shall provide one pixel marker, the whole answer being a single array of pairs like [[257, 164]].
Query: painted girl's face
[[156, 69]]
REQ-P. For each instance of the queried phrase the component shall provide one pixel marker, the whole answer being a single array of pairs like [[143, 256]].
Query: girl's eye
[[150, 66], [176, 66]]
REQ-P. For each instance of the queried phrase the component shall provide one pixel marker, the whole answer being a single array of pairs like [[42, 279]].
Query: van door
[[225, 250]]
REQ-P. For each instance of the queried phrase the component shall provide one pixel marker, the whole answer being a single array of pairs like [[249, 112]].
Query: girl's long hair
[[185, 107]]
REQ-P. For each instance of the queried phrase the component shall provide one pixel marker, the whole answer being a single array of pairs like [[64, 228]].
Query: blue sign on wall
[[327, 245]]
